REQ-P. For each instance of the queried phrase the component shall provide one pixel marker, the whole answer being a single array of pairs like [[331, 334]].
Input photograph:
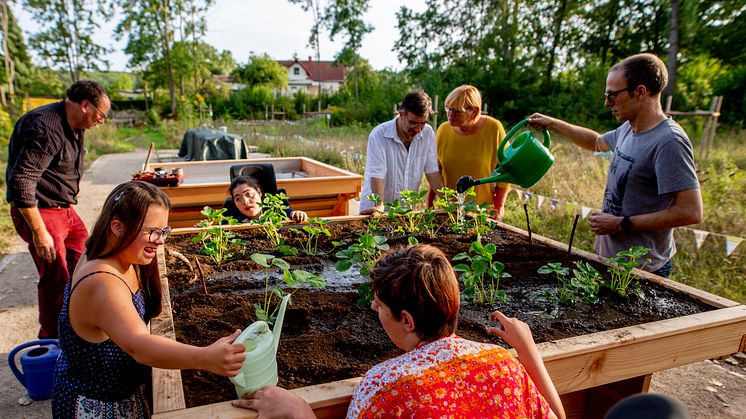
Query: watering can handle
[[511, 133], [12, 355]]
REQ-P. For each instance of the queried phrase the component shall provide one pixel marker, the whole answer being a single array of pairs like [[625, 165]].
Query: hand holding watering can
[[522, 163]]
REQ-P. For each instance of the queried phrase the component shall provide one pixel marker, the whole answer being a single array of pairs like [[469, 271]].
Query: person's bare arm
[[685, 209], [435, 180], [584, 137], [43, 242], [518, 335], [377, 187], [110, 308], [499, 196]]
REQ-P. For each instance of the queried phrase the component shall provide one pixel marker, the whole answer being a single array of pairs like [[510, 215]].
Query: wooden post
[[273, 111], [435, 114]]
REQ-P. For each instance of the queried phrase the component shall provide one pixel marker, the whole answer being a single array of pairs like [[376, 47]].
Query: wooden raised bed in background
[[591, 372], [317, 188]]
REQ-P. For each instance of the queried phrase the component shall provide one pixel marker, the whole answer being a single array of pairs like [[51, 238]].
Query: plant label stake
[[572, 233], [260, 366]]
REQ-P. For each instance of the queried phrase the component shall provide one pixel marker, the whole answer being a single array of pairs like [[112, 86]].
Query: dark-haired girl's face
[[143, 250], [247, 200]]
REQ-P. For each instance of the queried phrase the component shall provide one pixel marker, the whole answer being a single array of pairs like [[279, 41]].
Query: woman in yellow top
[[467, 145]]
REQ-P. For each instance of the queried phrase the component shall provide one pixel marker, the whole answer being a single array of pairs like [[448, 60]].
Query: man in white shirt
[[399, 152]]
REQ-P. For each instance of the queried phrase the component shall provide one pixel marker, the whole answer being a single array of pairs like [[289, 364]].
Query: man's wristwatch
[[626, 224]]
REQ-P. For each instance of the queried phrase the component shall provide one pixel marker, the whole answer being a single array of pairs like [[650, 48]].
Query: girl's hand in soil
[[513, 331], [275, 402], [224, 357]]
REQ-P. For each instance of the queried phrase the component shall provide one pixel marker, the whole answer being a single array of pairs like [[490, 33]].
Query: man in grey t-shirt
[[652, 186]]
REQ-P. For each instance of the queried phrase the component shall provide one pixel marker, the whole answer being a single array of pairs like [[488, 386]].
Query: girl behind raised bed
[[247, 194], [107, 350], [417, 300]]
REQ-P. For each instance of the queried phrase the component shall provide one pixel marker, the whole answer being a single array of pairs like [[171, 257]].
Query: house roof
[[327, 70]]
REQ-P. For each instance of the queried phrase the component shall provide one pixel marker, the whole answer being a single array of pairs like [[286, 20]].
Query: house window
[[296, 71]]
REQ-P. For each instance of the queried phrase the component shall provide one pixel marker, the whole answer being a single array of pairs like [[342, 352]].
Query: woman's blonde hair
[[463, 98]]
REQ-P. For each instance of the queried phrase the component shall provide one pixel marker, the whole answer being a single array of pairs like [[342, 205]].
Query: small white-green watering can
[[260, 366]]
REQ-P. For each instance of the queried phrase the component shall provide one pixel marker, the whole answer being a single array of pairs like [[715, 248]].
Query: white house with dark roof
[[307, 75]]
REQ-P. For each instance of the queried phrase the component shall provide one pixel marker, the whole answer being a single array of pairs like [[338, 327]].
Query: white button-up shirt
[[401, 169]]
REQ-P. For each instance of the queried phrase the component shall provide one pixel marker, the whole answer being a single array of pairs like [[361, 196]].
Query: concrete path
[[709, 389]]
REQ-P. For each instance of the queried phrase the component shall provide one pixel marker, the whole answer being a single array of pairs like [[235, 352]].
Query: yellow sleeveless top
[[474, 155]]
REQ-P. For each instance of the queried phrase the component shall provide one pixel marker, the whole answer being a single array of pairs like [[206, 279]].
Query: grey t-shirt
[[645, 170]]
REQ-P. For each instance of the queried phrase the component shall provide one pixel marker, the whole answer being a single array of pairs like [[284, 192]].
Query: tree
[[18, 67], [65, 39], [150, 29], [261, 70], [343, 17]]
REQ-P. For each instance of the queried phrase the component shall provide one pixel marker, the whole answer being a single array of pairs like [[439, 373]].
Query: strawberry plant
[[217, 241], [621, 268], [482, 275]]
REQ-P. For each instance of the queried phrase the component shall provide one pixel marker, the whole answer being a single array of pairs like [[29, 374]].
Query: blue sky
[[276, 27]]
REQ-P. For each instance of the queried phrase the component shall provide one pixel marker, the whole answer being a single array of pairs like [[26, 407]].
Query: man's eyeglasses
[[102, 116], [612, 95], [154, 234]]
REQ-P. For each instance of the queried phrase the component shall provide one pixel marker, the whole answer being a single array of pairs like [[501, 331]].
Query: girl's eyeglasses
[[154, 234]]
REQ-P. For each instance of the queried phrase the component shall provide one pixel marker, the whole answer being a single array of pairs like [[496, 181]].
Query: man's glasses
[[612, 95], [154, 234], [102, 116]]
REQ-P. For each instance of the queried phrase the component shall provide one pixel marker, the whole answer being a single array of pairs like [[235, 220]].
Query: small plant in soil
[[480, 218], [564, 294], [621, 269], [272, 216], [585, 281], [217, 241], [295, 278], [364, 253], [450, 202], [313, 230], [482, 275], [286, 249]]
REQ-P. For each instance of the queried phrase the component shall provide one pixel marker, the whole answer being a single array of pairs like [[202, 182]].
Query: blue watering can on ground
[[524, 162], [37, 365]]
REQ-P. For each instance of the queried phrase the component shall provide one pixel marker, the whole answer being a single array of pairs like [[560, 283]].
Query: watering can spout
[[277, 330]]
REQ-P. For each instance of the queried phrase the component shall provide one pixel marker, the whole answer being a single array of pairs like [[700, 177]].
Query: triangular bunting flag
[[584, 211], [540, 200], [518, 192], [570, 207], [554, 202], [699, 237], [731, 243], [526, 196]]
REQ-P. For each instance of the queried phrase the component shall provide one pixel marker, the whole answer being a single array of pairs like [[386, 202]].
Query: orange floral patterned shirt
[[449, 378]]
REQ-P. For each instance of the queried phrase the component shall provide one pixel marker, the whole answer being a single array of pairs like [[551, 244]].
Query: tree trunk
[[673, 46], [559, 19]]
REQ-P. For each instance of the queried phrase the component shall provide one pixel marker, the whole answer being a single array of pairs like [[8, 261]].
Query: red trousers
[[69, 234]]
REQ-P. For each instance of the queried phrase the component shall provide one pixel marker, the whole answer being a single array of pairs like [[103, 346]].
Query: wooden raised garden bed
[[593, 366], [317, 188]]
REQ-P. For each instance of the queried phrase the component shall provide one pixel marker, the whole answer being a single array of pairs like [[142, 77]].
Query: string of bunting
[[731, 242]]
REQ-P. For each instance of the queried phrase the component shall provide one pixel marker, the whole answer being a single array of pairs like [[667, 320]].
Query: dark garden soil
[[327, 337]]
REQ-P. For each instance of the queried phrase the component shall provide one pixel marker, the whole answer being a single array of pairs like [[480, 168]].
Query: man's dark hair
[[86, 90], [417, 102], [644, 69]]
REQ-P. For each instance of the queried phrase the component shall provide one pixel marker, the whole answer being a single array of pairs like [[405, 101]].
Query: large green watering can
[[260, 366], [523, 162]]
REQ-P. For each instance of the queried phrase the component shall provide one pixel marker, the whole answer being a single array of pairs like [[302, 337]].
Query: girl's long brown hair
[[129, 202]]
